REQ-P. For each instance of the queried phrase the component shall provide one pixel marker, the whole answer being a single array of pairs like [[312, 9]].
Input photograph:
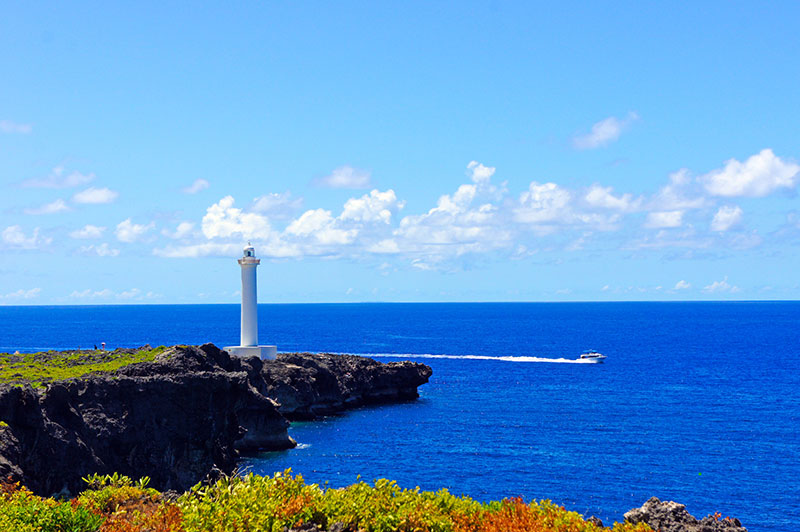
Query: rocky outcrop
[[308, 385], [181, 416], [670, 516]]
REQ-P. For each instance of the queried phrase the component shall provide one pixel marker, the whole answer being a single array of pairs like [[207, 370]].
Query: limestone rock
[[669, 516], [180, 417]]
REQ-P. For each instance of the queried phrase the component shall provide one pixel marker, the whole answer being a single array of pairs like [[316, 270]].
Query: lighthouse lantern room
[[249, 335]]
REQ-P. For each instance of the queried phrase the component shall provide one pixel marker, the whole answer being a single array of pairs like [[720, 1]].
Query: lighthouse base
[[264, 352]]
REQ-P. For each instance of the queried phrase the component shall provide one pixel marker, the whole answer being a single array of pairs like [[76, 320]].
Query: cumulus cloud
[[604, 132], [15, 238], [375, 206], [59, 178], [196, 186], [480, 173], [346, 177], [760, 175], [223, 220], [462, 222], [103, 250], [182, 230], [127, 231], [680, 193], [602, 197], [8, 126], [664, 219], [718, 287], [726, 217], [94, 195], [682, 285], [542, 203], [88, 231], [478, 217], [320, 224], [53, 207]]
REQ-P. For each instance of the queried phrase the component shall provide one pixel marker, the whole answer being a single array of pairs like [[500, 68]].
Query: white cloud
[[59, 178], [346, 177], [223, 220], [758, 176], [7, 126], [321, 225], [94, 195], [14, 238], [464, 222], [681, 193], [682, 285], [602, 197], [87, 231], [480, 173], [277, 206], [53, 207], [196, 186], [183, 230], [604, 132], [91, 294], [543, 203], [127, 231], [375, 206], [664, 219], [726, 217], [21, 294], [722, 286], [103, 250], [130, 294]]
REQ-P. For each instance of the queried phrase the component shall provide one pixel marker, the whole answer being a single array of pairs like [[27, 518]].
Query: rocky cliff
[[181, 416]]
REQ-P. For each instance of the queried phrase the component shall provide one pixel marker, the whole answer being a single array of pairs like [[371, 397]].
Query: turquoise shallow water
[[697, 402]]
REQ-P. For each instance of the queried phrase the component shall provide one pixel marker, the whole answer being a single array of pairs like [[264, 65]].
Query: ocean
[[697, 402]]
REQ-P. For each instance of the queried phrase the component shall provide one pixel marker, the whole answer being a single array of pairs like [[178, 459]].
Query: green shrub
[[22, 511]]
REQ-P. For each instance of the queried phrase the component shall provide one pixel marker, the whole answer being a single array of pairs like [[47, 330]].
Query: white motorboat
[[592, 356]]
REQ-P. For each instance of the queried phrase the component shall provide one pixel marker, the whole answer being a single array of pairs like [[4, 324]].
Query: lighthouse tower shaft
[[249, 335]]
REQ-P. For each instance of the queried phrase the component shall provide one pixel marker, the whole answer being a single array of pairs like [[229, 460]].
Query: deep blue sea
[[697, 402]]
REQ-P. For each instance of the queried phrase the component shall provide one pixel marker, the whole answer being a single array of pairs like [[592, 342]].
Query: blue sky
[[420, 151]]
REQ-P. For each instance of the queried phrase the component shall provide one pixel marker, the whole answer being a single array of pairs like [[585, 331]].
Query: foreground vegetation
[[39, 369], [253, 503]]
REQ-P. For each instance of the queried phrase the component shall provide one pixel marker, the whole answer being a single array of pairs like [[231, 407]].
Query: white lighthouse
[[249, 337]]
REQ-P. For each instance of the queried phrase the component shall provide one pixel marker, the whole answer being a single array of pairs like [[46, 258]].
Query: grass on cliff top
[[39, 369], [253, 503]]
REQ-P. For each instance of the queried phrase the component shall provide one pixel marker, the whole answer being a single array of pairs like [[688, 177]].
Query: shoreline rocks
[[669, 516], [182, 416]]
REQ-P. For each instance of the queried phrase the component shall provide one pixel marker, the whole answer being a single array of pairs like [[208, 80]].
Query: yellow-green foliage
[[22, 511], [38, 369], [252, 503], [271, 504]]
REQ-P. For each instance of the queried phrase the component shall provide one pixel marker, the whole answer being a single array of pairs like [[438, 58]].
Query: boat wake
[[483, 357]]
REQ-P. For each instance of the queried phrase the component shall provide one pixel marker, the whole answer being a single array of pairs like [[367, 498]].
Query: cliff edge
[[180, 416]]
